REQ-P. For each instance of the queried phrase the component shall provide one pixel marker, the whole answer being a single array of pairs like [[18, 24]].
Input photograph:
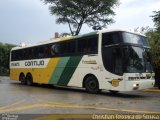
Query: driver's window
[[117, 57]]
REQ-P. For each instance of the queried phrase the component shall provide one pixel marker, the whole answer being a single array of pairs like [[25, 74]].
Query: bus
[[113, 60]]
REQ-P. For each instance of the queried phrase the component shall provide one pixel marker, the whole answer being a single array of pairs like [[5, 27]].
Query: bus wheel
[[29, 79], [22, 79], [113, 92], [91, 84]]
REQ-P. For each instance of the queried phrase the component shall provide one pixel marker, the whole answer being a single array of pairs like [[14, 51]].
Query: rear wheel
[[29, 79], [22, 79], [91, 84]]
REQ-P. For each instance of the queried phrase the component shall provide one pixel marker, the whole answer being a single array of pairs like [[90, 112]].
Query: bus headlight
[[135, 86]]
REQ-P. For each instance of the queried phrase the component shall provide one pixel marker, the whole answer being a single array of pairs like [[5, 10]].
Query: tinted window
[[82, 45], [110, 38], [133, 38], [41, 52], [13, 55], [68, 47], [112, 60], [47, 51], [19, 54], [93, 44], [88, 45], [55, 49]]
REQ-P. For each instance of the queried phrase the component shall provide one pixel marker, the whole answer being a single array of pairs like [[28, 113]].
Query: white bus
[[114, 60]]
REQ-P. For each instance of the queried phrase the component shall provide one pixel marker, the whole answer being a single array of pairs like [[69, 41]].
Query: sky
[[30, 22]]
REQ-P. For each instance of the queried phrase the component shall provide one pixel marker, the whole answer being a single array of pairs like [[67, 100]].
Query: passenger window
[[55, 49], [13, 58], [40, 52], [25, 54], [30, 53], [47, 53], [112, 60], [71, 47], [93, 44], [110, 38], [82, 46], [117, 59]]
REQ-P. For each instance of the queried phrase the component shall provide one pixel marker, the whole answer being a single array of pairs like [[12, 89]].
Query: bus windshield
[[136, 59], [124, 52], [133, 38]]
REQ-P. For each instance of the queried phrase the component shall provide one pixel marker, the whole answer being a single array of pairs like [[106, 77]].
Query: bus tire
[[29, 79], [91, 84], [22, 79]]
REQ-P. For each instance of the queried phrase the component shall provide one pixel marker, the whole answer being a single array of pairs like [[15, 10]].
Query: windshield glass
[[135, 39], [126, 59], [124, 52], [136, 59]]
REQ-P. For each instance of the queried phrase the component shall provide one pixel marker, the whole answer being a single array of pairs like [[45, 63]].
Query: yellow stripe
[[65, 116], [47, 72], [151, 90], [74, 106], [40, 75], [13, 104]]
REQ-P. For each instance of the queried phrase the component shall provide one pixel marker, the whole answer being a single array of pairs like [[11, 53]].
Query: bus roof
[[73, 37]]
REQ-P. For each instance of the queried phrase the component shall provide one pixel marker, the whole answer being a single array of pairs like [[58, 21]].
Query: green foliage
[[156, 20], [154, 40], [4, 58], [143, 30], [94, 13]]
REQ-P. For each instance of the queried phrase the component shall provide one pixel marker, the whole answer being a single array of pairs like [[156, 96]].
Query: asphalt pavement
[[48, 101]]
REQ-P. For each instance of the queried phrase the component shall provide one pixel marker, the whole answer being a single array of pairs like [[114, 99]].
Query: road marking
[[49, 102], [65, 116], [151, 90], [13, 104], [52, 105], [99, 108]]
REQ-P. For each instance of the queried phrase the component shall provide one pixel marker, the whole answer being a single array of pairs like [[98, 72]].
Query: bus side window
[[117, 60], [13, 54], [47, 53], [82, 46], [107, 39], [24, 54], [41, 52], [68, 48], [55, 49], [110, 38], [34, 53], [72, 47], [93, 44], [30, 53]]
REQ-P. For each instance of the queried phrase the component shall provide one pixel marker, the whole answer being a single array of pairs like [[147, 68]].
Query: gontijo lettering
[[34, 63]]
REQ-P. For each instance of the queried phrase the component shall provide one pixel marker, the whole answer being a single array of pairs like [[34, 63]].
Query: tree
[[95, 13], [154, 40], [156, 20], [4, 58], [143, 30]]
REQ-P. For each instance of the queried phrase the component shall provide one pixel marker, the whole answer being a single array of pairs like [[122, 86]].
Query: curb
[[152, 90]]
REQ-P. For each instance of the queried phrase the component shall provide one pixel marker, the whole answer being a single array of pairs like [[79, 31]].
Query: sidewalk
[[155, 89], [4, 78]]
